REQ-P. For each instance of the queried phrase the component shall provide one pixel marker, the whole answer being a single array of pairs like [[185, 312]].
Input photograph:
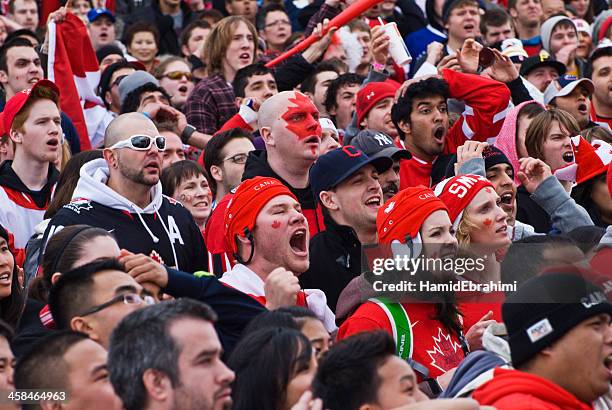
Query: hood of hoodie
[[431, 16], [9, 179], [506, 139], [92, 186], [507, 382], [257, 165]]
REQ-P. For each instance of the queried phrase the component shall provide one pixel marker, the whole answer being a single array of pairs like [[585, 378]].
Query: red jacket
[[429, 343], [486, 103], [516, 390]]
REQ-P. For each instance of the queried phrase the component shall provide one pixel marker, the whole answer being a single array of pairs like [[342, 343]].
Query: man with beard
[[378, 144], [346, 183], [421, 118], [601, 74], [122, 194], [572, 95], [168, 356]]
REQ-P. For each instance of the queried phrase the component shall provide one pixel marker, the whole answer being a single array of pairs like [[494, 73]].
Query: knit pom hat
[[457, 193]]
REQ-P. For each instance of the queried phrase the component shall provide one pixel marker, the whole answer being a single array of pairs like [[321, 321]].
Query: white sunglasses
[[141, 142]]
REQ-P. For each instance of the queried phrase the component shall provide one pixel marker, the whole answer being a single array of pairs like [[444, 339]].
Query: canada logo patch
[[79, 205]]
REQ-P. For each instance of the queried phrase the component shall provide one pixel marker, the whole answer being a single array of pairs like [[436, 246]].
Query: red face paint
[[488, 222], [302, 118], [489, 190], [276, 224]]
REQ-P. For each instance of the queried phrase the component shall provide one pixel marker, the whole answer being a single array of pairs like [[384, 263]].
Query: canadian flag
[[73, 66]]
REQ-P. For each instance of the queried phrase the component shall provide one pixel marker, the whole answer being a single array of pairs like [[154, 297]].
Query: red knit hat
[[592, 159], [248, 200], [404, 214], [371, 94], [457, 193]]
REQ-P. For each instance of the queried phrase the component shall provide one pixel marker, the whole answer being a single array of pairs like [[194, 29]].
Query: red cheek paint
[[302, 119], [276, 225], [488, 222], [489, 190]]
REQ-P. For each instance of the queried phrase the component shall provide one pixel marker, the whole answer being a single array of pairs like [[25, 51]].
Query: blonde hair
[[463, 230], [219, 39], [66, 154]]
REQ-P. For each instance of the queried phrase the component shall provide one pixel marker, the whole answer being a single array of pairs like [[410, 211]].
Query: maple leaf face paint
[[487, 220], [302, 118]]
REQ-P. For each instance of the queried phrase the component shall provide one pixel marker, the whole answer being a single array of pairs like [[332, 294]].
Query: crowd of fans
[[214, 249]]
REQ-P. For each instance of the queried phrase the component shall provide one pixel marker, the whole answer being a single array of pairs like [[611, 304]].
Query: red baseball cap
[[371, 94], [16, 102]]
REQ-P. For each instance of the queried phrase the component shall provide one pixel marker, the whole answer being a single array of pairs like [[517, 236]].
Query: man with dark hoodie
[[561, 346], [170, 17], [122, 194], [289, 126], [31, 118], [417, 41]]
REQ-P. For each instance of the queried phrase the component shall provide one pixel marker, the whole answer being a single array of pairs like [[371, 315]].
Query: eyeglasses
[[127, 298], [278, 23], [118, 80], [177, 75], [238, 158], [141, 143]]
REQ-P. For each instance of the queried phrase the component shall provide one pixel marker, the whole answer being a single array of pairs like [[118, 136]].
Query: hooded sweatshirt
[[21, 209], [163, 230], [257, 165], [506, 139], [516, 390]]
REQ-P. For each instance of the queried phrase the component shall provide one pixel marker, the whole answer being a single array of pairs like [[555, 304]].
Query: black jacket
[[168, 37], [30, 328], [335, 259], [257, 165], [529, 212], [233, 308], [163, 228]]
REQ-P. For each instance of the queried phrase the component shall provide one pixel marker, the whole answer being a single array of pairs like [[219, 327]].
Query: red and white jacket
[[486, 105], [245, 280]]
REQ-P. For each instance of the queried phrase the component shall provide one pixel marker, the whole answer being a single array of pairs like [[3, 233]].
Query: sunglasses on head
[[177, 75], [141, 143]]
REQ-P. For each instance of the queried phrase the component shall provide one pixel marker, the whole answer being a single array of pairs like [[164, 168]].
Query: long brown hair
[[219, 39], [540, 126]]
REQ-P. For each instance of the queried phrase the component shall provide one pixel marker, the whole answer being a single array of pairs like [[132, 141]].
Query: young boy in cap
[[572, 95], [560, 39], [345, 181], [561, 346], [268, 235], [31, 119]]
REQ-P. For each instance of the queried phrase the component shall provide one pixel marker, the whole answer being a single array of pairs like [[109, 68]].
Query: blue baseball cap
[[95, 14], [338, 165], [565, 85]]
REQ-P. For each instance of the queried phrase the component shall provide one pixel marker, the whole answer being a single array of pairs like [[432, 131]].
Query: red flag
[[48, 7], [76, 73]]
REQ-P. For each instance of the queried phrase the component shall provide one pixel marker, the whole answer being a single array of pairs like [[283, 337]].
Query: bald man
[[289, 126], [122, 194]]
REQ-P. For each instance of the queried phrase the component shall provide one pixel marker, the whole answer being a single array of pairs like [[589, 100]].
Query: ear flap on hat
[[412, 248]]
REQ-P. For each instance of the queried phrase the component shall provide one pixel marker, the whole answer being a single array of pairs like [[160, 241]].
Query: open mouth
[[507, 198], [54, 142], [245, 56], [469, 27], [152, 166], [582, 109], [297, 242], [183, 89], [312, 140], [608, 365], [33, 80], [502, 229], [568, 157], [374, 202], [4, 277], [438, 134]]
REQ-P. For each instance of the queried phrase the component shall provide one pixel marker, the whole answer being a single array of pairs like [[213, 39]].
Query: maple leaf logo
[[370, 95], [389, 207], [443, 356], [156, 257]]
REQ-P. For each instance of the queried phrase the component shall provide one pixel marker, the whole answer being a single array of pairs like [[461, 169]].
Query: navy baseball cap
[[338, 165], [95, 14], [378, 144]]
